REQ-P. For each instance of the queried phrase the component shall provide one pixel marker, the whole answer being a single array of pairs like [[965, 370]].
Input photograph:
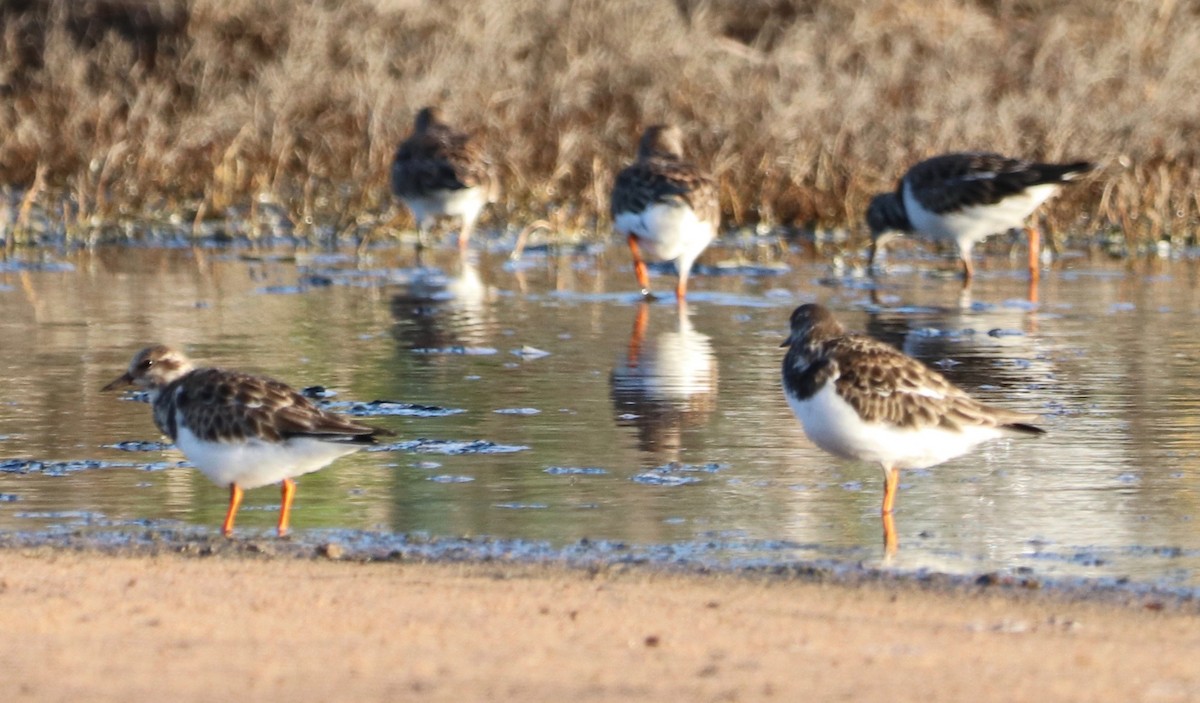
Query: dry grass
[[802, 108]]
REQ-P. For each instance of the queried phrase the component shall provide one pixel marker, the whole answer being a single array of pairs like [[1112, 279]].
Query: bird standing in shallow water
[[859, 398], [441, 172], [966, 197], [665, 207], [241, 431]]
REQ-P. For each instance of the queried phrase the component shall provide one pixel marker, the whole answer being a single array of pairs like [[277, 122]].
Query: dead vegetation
[[182, 110]]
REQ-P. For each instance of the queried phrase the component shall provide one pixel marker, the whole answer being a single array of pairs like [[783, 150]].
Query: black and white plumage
[[966, 197], [666, 207], [439, 171], [241, 431], [861, 399]]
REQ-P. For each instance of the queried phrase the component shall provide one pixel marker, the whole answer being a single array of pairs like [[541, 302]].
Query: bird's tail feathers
[[1024, 428], [1057, 173]]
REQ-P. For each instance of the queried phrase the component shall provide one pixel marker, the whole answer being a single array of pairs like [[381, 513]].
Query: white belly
[[668, 232], [834, 426], [671, 367], [255, 463], [971, 225], [464, 202]]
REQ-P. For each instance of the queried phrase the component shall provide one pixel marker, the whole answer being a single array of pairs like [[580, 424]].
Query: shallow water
[[554, 407]]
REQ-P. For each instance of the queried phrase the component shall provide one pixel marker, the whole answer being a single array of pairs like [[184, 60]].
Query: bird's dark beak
[[119, 382], [788, 342], [878, 241]]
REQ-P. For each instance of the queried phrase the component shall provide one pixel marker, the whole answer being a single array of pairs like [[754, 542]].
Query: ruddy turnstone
[[666, 207], [441, 172], [859, 398], [966, 197], [241, 431]]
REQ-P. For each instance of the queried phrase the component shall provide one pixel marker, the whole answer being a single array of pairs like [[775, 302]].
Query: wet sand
[[85, 625]]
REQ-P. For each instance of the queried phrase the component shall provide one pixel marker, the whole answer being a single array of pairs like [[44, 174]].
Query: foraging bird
[[966, 197], [442, 172], [241, 431], [862, 399], [666, 207]]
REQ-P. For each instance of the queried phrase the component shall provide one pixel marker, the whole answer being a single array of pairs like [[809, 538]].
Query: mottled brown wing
[[226, 405], [438, 159], [884, 385], [664, 180]]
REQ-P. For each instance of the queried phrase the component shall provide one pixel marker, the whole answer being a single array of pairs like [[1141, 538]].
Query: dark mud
[[750, 559]]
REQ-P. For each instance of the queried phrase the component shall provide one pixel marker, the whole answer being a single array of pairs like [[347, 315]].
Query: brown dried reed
[[129, 110]]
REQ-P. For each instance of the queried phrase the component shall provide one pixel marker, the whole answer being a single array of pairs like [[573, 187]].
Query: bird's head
[[887, 220], [812, 323], [427, 117], [661, 140], [152, 369]]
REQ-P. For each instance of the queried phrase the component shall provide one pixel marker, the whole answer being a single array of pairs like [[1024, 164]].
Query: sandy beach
[[82, 625]]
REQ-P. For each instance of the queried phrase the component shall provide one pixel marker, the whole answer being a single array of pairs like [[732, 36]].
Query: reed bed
[[182, 111]]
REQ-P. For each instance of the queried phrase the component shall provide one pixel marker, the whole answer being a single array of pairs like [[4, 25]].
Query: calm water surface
[[614, 420]]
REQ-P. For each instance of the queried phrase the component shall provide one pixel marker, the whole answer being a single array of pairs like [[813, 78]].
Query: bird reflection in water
[[666, 383], [437, 310]]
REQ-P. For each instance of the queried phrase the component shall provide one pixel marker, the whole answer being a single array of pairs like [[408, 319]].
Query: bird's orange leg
[[891, 542], [639, 334], [288, 491], [235, 502], [891, 481], [968, 270], [1035, 251], [639, 266], [464, 235], [681, 288]]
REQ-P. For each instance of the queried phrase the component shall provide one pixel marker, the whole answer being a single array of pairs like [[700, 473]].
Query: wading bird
[[241, 431], [861, 399], [442, 172], [966, 197], [664, 206]]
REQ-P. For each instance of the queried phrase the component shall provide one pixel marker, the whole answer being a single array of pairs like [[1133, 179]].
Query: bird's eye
[[146, 363]]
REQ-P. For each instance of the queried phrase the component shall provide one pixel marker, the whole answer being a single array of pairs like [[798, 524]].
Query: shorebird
[[441, 172], [862, 399], [966, 197], [241, 431], [665, 207]]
